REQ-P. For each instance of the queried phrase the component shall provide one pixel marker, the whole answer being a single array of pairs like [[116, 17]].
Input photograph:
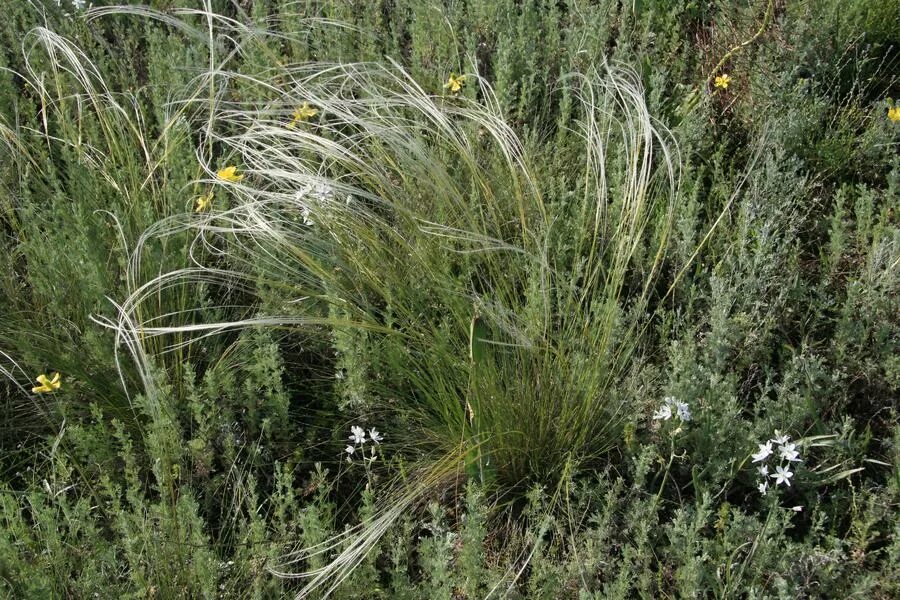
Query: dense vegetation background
[[452, 284]]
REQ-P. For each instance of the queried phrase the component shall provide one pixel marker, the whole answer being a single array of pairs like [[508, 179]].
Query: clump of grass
[[427, 230], [496, 323]]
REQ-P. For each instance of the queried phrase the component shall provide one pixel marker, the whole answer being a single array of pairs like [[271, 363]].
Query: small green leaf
[[478, 336]]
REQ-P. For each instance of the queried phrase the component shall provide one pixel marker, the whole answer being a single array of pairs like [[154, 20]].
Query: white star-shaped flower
[[350, 449], [763, 470], [789, 452], [782, 475], [323, 191], [375, 436], [763, 487], [765, 450], [357, 435]]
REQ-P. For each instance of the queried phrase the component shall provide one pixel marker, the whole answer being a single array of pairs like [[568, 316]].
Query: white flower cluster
[[673, 408], [787, 454], [313, 194], [359, 439]]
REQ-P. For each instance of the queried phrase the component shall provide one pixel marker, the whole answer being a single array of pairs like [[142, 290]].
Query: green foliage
[[466, 287]]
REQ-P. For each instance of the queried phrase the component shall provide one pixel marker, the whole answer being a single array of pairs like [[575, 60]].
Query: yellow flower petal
[[302, 113], [229, 174], [204, 202], [305, 111], [894, 113], [454, 83], [47, 385]]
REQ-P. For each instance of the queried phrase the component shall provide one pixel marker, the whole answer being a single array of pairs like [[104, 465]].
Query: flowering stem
[[770, 9], [662, 484]]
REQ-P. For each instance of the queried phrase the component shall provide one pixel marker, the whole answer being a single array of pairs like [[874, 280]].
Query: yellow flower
[[302, 114], [47, 385], [723, 80], [894, 113], [204, 202], [229, 174], [454, 84]]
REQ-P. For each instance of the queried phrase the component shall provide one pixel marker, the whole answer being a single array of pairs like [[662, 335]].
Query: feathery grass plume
[[413, 218], [106, 170]]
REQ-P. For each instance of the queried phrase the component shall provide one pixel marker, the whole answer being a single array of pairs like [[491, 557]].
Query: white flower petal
[[779, 438], [764, 451], [664, 413]]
